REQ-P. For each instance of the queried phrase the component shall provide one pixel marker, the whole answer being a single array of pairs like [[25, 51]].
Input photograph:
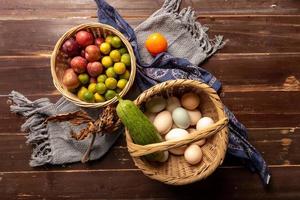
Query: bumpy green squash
[[140, 128]]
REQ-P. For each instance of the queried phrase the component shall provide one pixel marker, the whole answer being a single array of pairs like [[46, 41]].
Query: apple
[[79, 64]]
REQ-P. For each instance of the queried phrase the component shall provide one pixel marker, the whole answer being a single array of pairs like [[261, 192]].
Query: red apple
[[94, 69], [71, 47], [79, 64], [84, 38], [92, 53], [99, 41], [93, 80], [70, 79]]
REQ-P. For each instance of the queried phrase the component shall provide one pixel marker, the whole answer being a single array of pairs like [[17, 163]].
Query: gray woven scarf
[[52, 142]]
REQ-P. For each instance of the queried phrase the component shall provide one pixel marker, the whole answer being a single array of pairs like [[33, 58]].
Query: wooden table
[[259, 69]]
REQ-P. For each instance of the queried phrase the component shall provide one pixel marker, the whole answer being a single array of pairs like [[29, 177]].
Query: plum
[[93, 80], [99, 41], [71, 47], [92, 53], [79, 64], [94, 69], [82, 53], [70, 79], [84, 38]]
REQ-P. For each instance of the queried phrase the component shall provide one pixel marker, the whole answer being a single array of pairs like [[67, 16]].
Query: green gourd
[[140, 128]]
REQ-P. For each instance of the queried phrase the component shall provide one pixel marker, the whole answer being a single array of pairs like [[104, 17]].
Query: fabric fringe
[[41, 154], [34, 126], [197, 31]]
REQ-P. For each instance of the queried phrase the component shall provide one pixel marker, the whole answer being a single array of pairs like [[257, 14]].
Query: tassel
[[197, 31], [171, 5], [41, 155], [37, 132]]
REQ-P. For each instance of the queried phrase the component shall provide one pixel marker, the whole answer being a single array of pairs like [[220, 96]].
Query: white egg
[[195, 115], [156, 104], [163, 122], [177, 133], [172, 103], [200, 142], [181, 118], [193, 154], [204, 122], [151, 116]]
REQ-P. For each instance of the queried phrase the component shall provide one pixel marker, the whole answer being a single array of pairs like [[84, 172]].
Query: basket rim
[[70, 96], [134, 148]]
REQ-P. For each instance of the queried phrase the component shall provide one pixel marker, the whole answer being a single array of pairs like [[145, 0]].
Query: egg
[[172, 103], [163, 122], [190, 101], [151, 116], [181, 118], [190, 130], [195, 116], [204, 122], [177, 133], [174, 126], [166, 156], [200, 142], [193, 154], [156, 104]]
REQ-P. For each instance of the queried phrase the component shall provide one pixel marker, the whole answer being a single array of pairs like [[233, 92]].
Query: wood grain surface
[[259, 69]]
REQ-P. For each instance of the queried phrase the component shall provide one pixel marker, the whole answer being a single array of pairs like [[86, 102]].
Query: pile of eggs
[[175, 118]]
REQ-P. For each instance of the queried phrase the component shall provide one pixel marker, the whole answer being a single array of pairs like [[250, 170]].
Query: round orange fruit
[[156, 43]]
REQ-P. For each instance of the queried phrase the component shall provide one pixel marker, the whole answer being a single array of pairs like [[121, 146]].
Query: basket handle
[[141, 150]]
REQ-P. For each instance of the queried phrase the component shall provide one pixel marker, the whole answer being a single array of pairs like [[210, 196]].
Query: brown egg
[[151, 116], [193, 154], [190, 101], [195, 115]]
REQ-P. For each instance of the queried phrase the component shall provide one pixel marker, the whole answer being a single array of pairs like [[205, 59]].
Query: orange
[[156, 43]]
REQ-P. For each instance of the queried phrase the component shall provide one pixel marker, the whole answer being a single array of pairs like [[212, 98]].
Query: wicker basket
[[176, 171], [59, 62]]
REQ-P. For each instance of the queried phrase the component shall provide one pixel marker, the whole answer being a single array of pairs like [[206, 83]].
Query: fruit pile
[[99, 67]]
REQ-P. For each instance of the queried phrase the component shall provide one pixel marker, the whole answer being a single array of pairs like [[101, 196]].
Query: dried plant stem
[[86, 157]]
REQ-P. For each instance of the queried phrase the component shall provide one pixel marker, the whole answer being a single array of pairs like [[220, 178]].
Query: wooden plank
[[44, 9], [248, 71], [278, 146], [98, 184], [266, 102], [246, 35], [262, 102], [264, 120]]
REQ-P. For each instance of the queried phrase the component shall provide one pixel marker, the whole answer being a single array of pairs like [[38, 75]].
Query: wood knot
[[291, 82]]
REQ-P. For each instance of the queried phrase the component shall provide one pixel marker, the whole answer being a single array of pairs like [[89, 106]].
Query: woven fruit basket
[[60, 62], [176, 171]]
